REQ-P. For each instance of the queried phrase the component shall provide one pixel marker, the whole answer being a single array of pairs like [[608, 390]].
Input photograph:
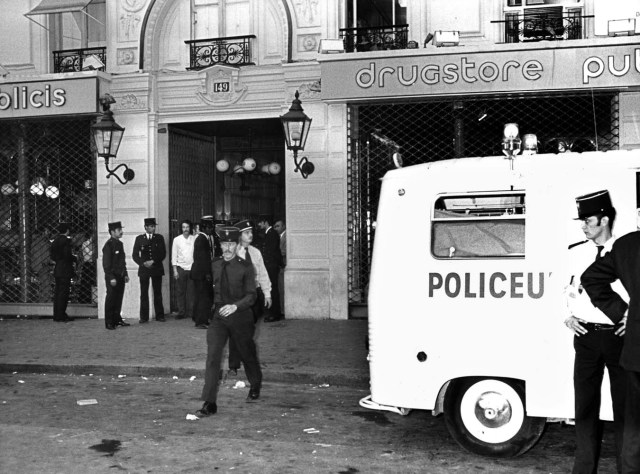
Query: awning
[[46, 7]]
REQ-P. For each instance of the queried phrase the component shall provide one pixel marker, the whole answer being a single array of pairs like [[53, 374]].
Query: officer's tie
[[247, 255], [599, 254]]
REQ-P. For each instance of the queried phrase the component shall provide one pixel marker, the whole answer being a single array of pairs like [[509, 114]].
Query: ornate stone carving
[[131, 102], [310, 90], [307, 12], [221, 86], [130, 19], [126, 56], [308, 43]]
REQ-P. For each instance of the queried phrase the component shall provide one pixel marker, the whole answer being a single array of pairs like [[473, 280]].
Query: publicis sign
[[481, 72], [41, 99]]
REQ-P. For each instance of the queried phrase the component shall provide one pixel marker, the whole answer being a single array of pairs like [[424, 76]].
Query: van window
[[480, 225]]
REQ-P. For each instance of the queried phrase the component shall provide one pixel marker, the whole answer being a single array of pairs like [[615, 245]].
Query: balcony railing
[[375, 38], [71, 60], [232, 50], [543, 26]]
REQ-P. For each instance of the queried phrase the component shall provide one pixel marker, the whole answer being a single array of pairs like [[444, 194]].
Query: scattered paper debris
[[192, 378], [121, 376], [143, 377], [191, 417], [324, 385], [175, 377], [88, 401], [20, 381], [239, 384], [310, 430], [324, 445]]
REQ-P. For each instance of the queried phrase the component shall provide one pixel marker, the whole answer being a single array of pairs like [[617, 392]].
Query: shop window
[[537, 20], [220, 18], [478, 226]]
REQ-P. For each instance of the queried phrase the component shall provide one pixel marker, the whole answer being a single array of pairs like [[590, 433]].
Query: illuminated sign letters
[[23, 98]]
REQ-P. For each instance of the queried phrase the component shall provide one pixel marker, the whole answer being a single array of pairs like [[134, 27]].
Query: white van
[[466, 304]]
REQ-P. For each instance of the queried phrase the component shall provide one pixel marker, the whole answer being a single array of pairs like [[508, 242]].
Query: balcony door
[[372, 13], [221, 18]]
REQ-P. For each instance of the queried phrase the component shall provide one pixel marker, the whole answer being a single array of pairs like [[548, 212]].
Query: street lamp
[[107, 135], [296, 128]]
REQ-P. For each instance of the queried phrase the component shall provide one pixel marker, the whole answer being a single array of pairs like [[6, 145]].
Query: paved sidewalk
[[300, 351]]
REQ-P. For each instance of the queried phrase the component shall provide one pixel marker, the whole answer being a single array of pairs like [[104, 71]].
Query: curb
[[354, 380]]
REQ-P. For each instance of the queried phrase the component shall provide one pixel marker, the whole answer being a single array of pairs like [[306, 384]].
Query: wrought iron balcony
[[71, 60], [543, 26], [232, 51], [375, 38]]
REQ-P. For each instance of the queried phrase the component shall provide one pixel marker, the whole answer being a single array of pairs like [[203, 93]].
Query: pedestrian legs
[[61, 298], [144, 297], [113, 302], [202, 304], [217, 336], [184, 293], [631, 443], [158, 307]]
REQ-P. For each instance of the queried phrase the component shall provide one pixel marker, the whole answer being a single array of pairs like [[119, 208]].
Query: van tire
[[487, 416]]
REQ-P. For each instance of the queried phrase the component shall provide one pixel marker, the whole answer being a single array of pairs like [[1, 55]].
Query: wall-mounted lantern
[[107, 135], [296, 126]]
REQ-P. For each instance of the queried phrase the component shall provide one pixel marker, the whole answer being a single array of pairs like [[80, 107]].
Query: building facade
[[200, 86]]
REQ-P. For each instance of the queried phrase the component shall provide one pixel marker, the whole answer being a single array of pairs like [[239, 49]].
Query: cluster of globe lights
[[38, 188], [248, 165]]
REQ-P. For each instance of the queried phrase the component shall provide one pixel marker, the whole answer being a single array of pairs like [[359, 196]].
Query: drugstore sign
[[40, 99], [472, 73]]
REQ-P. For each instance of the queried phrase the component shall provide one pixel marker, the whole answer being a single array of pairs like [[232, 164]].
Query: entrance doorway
[[232, 170]]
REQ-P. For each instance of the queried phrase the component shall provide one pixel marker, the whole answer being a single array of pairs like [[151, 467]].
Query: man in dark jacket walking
[[149, 252], [272, 261], [235, 291], [62, 255], [114, 264]]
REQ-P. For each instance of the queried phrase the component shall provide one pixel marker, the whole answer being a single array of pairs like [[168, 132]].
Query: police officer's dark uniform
[[234, 287], [150, 247], [201, 273], [61, 253], [597, 348], [115, 270]]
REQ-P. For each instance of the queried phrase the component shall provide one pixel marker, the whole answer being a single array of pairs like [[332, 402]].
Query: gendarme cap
[[150, 221], [115, 225], [593, 203], [244, 225], [228, 234]]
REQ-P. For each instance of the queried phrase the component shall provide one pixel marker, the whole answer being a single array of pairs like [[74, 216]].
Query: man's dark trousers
[[156, 282], [204, 300], [594, 350], [113, 301], [240, 328], [61, 298]]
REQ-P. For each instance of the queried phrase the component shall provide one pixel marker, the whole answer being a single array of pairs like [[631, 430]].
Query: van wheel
[[488, 417]]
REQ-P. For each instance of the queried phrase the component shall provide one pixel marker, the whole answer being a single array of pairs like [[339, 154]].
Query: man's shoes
[[180, 316], [143, 321], [208, 409], [232, 372], [254, 394], [202, 326], [64, 320], [271, 319], [110, 327], [161, 319], [122, 323]]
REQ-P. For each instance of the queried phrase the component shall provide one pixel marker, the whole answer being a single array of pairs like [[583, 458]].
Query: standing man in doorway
[[149, 252], [64, 260], [597, 342], [201, 273], [114, 264], [272, 261], [181, 261], [281, 228]]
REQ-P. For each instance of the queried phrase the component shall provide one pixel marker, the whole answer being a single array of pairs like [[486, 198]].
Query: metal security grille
[[449, 128], [47, 176]]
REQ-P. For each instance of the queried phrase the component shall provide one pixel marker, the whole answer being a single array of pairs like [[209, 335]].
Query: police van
[[466, 294]]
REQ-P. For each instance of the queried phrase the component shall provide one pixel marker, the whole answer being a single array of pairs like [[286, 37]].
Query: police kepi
[[593, 203]]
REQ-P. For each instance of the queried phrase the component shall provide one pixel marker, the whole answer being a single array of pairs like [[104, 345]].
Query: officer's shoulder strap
[[577, 243]]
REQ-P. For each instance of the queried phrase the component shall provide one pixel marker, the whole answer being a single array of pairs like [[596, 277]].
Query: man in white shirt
[[597, 342], [181, 261], [249, 253]]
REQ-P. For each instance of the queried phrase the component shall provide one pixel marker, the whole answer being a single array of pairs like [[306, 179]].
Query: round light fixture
[[249, 164], [222, 166], [274, 168], [511, 130], [52, 192], [8, 189]]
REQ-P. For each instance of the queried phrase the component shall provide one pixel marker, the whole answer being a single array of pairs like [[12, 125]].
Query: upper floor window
[[372, 13], [220, 18], [479, 225], [72, 24]]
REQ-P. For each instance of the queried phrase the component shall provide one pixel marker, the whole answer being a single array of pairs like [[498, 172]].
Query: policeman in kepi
[[114, 263], [597, 342], [234, 292], [149, 252]]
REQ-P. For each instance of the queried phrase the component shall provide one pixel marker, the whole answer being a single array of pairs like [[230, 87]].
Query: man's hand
[[148, 263], [126, 279], [267, 302], [623, 325], [113, 282], [175, 274], [227, 310], [575, 325]]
